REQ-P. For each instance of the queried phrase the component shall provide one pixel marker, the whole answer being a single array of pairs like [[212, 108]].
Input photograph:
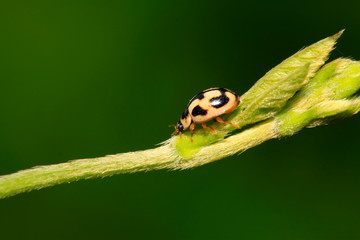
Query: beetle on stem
[[205, 106]]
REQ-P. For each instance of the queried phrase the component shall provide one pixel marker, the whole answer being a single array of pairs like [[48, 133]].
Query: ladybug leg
[[204, 126], [192, 127], [218, 119]]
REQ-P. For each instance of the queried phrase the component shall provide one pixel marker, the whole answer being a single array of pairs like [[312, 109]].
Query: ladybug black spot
[[199, 96], [218, 102], [198, 111], [185, 114]]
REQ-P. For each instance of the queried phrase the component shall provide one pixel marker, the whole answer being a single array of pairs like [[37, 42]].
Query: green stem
[[152, 159]]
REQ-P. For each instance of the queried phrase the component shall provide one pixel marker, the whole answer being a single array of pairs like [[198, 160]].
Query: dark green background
[[89, 78]]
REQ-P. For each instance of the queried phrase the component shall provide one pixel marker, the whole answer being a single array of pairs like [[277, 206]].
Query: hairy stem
[[152, 159]]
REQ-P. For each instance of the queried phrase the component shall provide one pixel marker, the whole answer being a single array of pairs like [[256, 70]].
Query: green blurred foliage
[[89, 78]]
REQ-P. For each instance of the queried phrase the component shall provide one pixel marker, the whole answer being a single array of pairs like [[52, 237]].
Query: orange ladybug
[[206, 106]]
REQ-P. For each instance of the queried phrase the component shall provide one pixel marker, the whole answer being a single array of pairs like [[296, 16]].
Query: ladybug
[[205, 106]]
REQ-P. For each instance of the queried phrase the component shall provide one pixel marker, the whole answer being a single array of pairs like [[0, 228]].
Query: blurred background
[[89, 78]]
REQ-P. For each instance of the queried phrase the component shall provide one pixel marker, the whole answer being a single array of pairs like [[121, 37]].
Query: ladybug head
[[179, 128]]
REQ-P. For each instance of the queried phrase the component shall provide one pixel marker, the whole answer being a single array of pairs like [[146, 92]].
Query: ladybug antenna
[[176, 131]]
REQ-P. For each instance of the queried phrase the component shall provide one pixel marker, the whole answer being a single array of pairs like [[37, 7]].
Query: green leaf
[[345, 83], [324, 84], [323, 98], [314, 55], [270, 100], [329, 110]]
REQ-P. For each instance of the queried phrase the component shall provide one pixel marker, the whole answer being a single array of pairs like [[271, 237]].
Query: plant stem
[[152, 159]]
